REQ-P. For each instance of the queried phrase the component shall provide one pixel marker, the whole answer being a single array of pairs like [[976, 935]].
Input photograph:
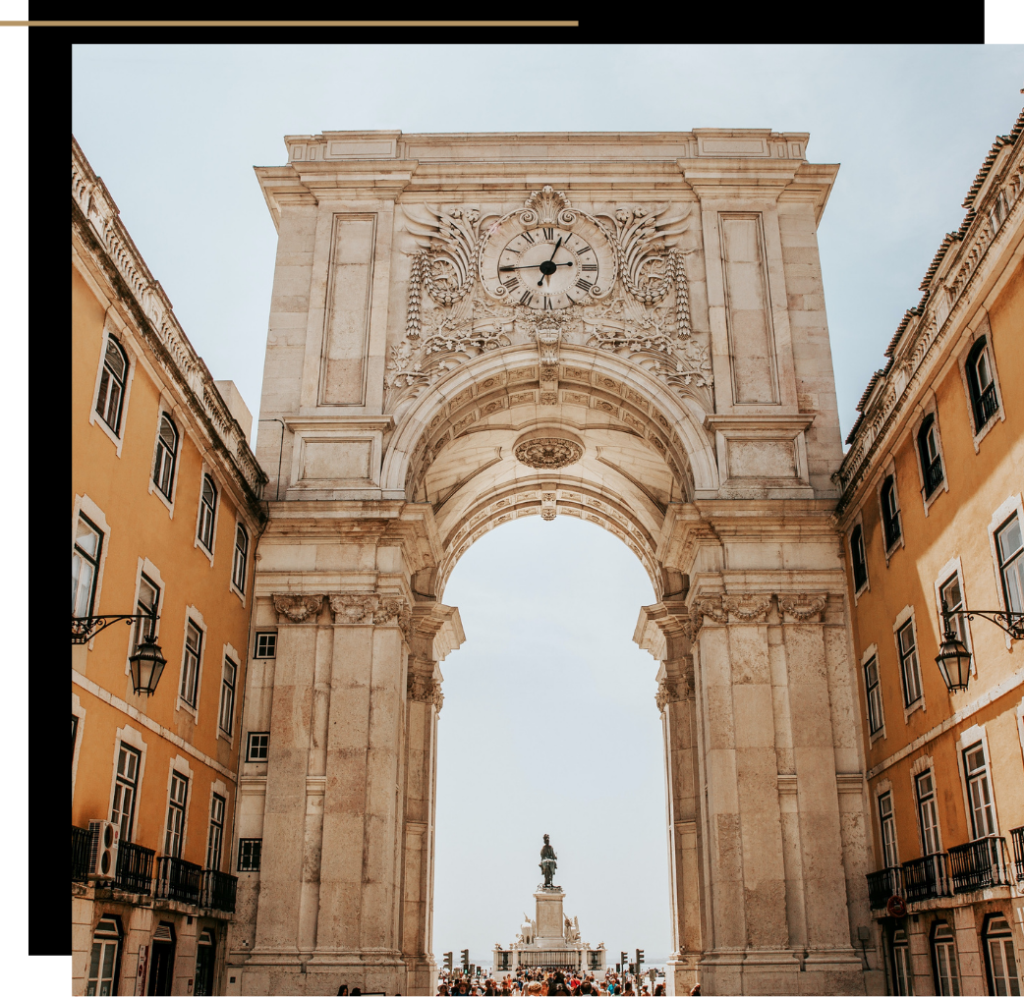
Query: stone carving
[[548, 865], [747, 608], [370, 609], [571, 930], [643, 313], [421, 686], [297, 608], [548, 453], [805, 608], [707, 608]]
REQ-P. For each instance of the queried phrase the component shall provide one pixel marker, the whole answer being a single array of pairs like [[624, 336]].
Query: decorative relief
[[370, 609], [641, 311], [548, 453], [747, 608], [422, 687], [804, 608], [707, 608], [297, 608]]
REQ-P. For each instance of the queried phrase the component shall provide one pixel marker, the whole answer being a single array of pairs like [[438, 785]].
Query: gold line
[[289, 24]]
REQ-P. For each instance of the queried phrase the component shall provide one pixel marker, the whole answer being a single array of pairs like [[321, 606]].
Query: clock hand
[[555, 250], [533, 266], [544, 271]]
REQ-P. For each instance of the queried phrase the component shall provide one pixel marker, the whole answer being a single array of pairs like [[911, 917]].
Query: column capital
[[676, 685], [355, 609], [802, 607], [424, 682], [297, 608]]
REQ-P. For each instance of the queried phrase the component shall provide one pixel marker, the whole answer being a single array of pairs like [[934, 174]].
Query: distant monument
[[550, 940]]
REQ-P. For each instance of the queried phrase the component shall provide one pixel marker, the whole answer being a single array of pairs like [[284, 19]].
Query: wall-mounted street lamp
[[954, 660], [147, 663]]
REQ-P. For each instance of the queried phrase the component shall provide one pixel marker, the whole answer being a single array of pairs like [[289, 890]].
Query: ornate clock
[[547, 267]]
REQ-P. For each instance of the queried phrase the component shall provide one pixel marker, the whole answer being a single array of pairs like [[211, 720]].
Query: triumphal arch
[[625, 328]]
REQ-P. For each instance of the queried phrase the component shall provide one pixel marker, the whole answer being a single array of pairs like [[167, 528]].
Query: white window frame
[[151, 571], [866, 587], [988, 936], [984, 330], [946, 572], [926, 408], [889, 471], [906, 614], [228, 654], [77, 710], [954, 951], [207, 471], [921, 765], [256, 644], [241, 593], [967, 738], [119, 953], [882, 787], [85, 506], [165, 408], [1011, 505], [872, 652], [133, 738], [193, 616], [180, 765], [95, 419], [218, 788]]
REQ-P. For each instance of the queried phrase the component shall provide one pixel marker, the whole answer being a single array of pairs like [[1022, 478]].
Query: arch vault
[[681, 398]]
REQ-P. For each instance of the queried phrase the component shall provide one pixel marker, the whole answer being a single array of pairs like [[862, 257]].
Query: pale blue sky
[[175, 131]]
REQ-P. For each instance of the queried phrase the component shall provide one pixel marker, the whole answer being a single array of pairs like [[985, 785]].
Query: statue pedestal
[[550, 924]]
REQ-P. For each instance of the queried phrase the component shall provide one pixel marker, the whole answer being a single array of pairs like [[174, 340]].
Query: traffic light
[[465, 961], [639, 959], [448, 961]]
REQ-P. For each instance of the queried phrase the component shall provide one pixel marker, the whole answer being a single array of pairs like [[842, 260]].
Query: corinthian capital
[[422, 686], [803, 607], [751, 608], [297, 608]]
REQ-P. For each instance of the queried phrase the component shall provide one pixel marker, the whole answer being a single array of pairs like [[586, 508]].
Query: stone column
[[675, 699], [357, 930], [434, 631]]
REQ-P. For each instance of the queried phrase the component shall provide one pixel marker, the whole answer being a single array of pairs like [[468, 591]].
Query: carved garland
[[298, 608]]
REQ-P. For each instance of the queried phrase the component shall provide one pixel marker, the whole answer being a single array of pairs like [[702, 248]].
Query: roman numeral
[[585, 249], [549, 234], [511, 284], [589, 266], [547, 303], [526, 298], [528, 237], [584, 285]]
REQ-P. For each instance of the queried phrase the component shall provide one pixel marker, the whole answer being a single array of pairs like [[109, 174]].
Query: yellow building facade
[[166, 515], [931, 511]]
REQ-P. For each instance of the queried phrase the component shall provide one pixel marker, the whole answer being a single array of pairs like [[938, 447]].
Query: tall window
[[874, 692], [981, 384], [860, 564], [901, 962], [149, 599], [111, 395], [947, 977], [890, 512], [74, 735], [241, 557], [928, 812], [979, 791], [85, 563], [105, 958], [227, 696], [207, 510], [190, 663], [126, 788], [1011, 563], [176, 815], [909, 668], [1002, 963], [216, 839], [888, 823], [952, 598], [928, 450], [166, 456]]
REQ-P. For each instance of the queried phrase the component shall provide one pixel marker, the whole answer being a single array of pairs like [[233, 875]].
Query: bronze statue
[[548, 865]]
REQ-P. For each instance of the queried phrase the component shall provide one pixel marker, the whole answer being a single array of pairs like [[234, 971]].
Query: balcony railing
[[177, 879], [218, 890], [884, 884], [979, 864], [926, 878], [1017, 836], [987, 405], [134, 869], [81, 841]]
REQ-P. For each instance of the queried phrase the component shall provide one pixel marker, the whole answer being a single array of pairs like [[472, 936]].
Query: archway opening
[[550, 726]]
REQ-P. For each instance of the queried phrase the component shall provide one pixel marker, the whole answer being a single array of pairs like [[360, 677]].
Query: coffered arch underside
[[642, 447]]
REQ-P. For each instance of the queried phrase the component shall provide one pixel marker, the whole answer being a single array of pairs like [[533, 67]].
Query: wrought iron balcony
[[218, 890], [177, 879], [884, 884], [134, 868], [1017, 836], [987, 405], [979, 864], [926, 878], [81, 842]]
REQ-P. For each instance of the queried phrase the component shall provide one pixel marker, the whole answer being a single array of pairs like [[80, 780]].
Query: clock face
[[547, 267]]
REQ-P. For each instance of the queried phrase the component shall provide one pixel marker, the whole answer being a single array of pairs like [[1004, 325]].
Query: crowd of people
[[546, 983]]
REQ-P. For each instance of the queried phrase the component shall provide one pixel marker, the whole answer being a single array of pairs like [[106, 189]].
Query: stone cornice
[[97, 220], [967, 262]]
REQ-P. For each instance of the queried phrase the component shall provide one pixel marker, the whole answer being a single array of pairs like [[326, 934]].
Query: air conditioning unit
[[103, 849]]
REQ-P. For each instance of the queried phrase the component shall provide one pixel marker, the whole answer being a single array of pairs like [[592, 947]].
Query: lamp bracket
[[1012, 623], [84, 628]]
